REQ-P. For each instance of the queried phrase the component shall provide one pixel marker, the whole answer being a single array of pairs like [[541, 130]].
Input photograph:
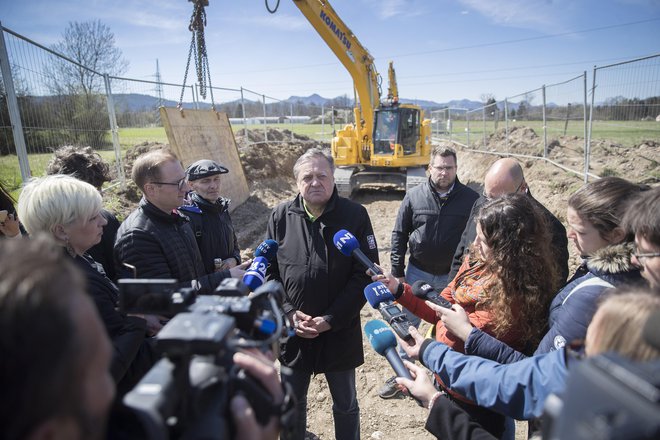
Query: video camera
[[187, 392], [609, 397]]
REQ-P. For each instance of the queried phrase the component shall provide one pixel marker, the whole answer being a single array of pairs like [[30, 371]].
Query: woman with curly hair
[[595, 213], [505, 285]]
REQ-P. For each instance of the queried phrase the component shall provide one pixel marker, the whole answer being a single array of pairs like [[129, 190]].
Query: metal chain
[[272, 10], [198, 49]]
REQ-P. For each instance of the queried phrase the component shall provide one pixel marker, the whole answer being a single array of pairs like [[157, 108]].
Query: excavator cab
[[396, 126]]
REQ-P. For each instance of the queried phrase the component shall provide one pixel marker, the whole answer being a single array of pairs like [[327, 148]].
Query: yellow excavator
[[389, 142]]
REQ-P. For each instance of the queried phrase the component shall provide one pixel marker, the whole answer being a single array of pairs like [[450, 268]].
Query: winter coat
[[468, 289], [103, 252], [133, 354], [559, 241], [431, 227], [213, 230], [321, 281], [162, 245], [517, 390], [572, 308]]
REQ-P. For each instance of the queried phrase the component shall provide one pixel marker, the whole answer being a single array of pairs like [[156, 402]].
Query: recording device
[[423, 290], [256, 273], [383, 342], [267, 249], [349, 245], [609, 397], [187, 393], [381, 299]]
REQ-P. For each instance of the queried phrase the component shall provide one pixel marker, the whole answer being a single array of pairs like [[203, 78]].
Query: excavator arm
[[355, 58]]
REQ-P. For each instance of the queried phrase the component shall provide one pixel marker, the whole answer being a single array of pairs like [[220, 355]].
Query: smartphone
[[3, 215]]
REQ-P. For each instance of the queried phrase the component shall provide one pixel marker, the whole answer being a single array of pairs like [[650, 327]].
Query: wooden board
[[205, 134]]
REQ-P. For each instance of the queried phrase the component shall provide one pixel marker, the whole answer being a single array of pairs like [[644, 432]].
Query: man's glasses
[[487, 197], [643, 255], [180, 184]]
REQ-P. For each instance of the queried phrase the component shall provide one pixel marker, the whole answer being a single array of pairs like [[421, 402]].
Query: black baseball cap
[[204, 168]]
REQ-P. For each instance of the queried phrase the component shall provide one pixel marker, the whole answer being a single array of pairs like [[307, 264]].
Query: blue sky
[[441, 49]]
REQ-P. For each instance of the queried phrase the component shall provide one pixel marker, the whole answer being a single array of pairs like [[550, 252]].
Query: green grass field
[[628, 133]]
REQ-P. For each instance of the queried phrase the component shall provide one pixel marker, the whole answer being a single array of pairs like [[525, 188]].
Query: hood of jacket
[[612, 259]]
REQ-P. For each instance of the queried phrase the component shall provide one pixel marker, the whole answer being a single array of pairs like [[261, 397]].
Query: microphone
[[256, 274], [383, 342], [349, 245], [423, 290], [380, 298], [267, 249]]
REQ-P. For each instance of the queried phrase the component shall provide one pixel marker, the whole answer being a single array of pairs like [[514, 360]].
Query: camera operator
[[519, 390], [55, 355]]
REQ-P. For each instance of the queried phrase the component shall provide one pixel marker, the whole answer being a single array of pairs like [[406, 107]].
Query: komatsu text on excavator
[[389, 142]]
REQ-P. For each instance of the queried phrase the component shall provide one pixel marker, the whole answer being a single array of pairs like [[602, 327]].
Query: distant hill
[[135, 102]]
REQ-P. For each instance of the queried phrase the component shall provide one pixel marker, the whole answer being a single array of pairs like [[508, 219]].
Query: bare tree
[[78, 87], [92, 45]]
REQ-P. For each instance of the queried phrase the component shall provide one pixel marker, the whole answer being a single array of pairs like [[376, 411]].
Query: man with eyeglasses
[[429, 224], [506, 176], [155, 240], [643, 219]]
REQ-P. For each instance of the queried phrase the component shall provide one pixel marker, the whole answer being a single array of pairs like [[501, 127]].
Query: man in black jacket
[[431, 219], [324, 289], [156, 238], [505, 176]]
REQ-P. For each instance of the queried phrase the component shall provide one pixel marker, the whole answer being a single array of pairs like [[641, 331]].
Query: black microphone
[[423, 290], [349, 245]]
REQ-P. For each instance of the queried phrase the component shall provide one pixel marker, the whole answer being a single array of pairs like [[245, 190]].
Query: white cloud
[[279, 21], [536, 14]]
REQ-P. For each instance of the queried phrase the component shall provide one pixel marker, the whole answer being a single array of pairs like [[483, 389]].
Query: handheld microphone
[[256, 274], [267, 249], [423, 290], [349, 246], [380, 298], [383, 342]]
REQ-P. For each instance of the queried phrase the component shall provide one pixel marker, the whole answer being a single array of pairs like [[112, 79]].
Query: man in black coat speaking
[[324, 289]]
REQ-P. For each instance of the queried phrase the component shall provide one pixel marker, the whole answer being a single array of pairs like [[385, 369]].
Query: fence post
[[247, 140], [14, 113], [584, 116], [332, 116], [114, 130], [587, 149], [467, 121], [263, 97], [322, 120], [506, 123], [291, 107], [545, 128], [483, 115]]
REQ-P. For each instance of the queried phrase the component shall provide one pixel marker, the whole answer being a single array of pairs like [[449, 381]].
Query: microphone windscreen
[[421, 289], [377, 293], [345, 242], [256, 274], [267, 249], [651, 330], [380, 336]]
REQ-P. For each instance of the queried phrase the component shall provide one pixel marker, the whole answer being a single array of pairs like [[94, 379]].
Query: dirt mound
[[272, 135]]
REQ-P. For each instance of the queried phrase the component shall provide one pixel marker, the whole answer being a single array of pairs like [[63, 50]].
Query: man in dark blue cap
[[209, 216]]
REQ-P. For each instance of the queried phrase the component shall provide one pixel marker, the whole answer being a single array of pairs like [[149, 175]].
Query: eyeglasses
[[179, 184], [487, 197], [641, 256], [444, 168]]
